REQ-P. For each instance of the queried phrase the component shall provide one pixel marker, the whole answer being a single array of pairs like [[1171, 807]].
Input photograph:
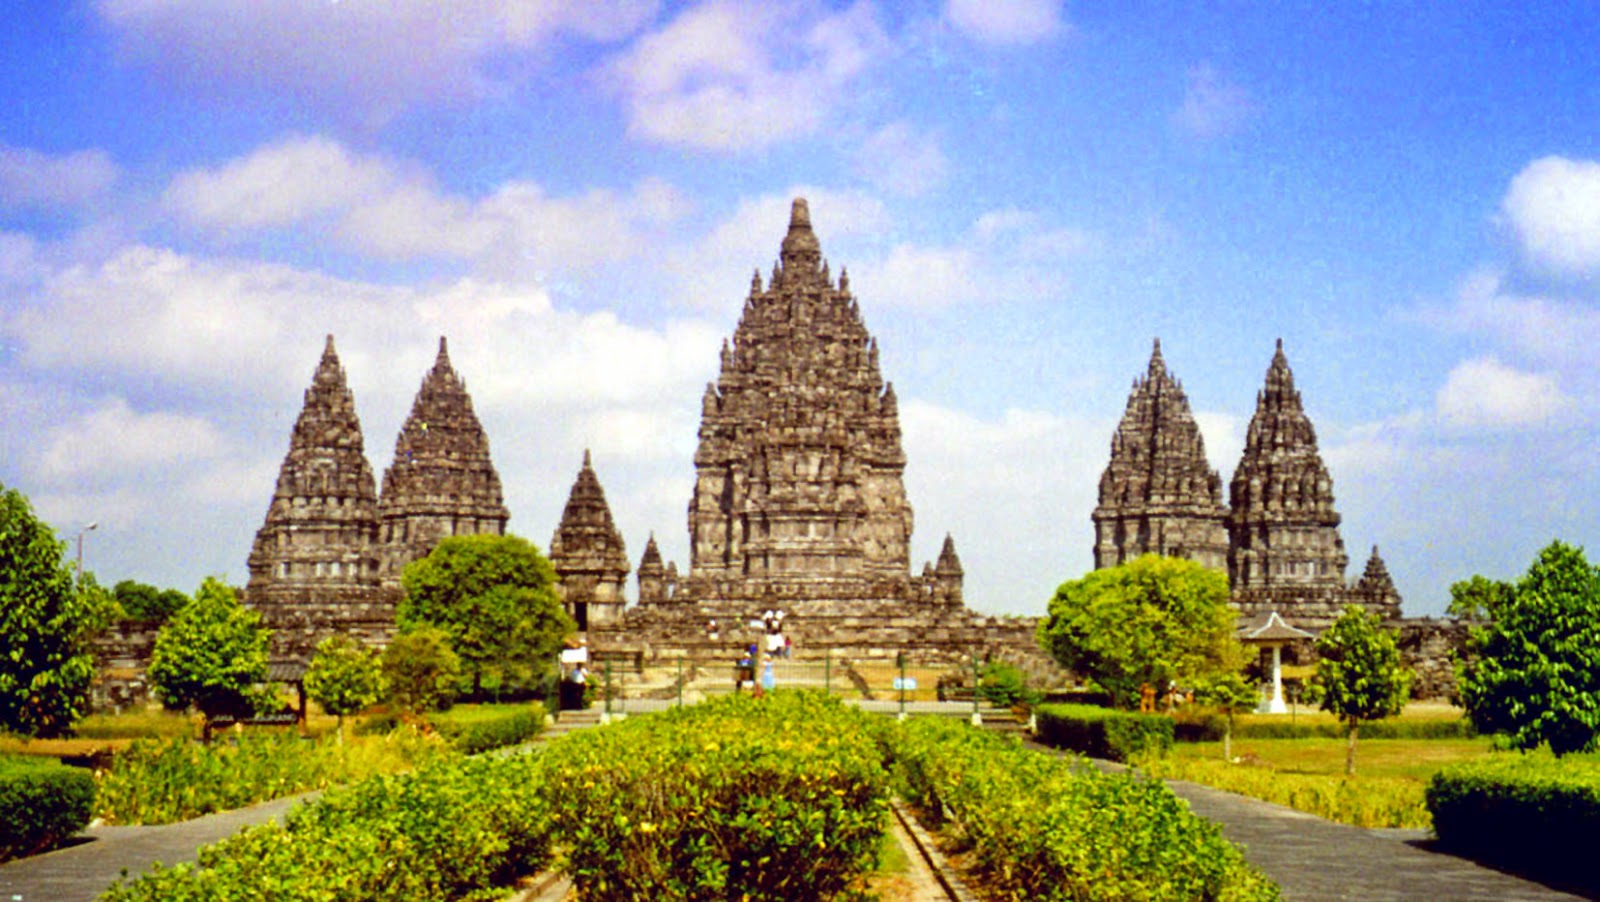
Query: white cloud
[[1224, 435], [31, 179], [114, 439], [903, 160], [1006, 21], [377, 56], [1553, 205], [1485, 393], [1551, 331], [393, 210], [1213, 105], [728, 76]]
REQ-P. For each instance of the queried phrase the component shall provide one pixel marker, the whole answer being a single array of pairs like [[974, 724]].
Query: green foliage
[[1479, 598], [1209, 726], [479, 728], [1362, 802], [210, 654], [41, 803], [1229, 693], [1004, 684], [1050, 828], [455, 829], [1104, 732], [495, 597], [1151, 621], [1359, 672], [1534, 671], [420, 669], [740, 799], [46, 626], [343, 677], [1530, 811], [146, 603], [162, 782]]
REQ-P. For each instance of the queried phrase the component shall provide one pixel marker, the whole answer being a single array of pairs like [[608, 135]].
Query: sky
[[193, 193]]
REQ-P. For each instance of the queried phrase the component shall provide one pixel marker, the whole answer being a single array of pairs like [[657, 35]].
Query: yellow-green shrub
[[1361, 801], [41, 803]]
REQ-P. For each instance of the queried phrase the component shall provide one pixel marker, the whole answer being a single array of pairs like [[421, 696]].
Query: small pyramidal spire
[[1158, 364], [442, 360], [587, 464], [949, 563], [327, 348]]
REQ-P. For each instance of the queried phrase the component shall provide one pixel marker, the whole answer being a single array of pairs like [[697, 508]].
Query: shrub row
[[460, 828], [738, 798], [1531, 811], [1050, 828], [1363, 802], [1104, 732], [491, 729], [1209, 727], [162, 782], [41, 803]]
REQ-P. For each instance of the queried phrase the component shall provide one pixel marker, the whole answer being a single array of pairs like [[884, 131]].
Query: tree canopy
[[47, 625], [495, 597], [146, 603], [1153, 620], [1359, 673], [343, 677], [1533, 672], [210, 654], [1478, 598], [420, 670]]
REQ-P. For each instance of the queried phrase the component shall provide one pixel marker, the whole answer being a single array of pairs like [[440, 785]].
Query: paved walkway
[[81, 872]]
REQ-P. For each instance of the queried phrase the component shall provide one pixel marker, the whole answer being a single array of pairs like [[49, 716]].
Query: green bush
[[162, 782], [41, 803], [1204, 725], [742, 799], [472, 730], [1004, 684], [1045, 827], [1104, 732], [1367, 801], [462, 828], [1529, 811]]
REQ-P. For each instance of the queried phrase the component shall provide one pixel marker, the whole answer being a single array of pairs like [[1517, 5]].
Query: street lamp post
[[90, 527]]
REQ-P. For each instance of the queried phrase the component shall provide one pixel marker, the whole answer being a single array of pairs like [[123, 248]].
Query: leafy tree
[[420, 669], [146, 603], [47, 625], [1151, 621], [1360, 674], [344, 677], [495, 597], [1478, 598], [210, 655], [1230, 693], [1533, 672]]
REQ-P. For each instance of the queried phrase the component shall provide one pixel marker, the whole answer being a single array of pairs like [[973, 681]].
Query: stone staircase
[[568, 721]]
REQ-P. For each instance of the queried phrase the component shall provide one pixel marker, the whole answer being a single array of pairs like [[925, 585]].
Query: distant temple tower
[[1375, 590], [798, 490], [1158, 494], [1284, 532], [442, 482], [588, 555], [314, 567]]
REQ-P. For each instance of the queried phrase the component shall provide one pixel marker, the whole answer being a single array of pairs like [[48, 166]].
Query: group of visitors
[[778, 644]]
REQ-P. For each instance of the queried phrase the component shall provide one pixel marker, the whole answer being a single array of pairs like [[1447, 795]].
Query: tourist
[[712, 632], [768, 678]]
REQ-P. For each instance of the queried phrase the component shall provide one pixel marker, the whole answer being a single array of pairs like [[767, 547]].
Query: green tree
[[210, 655], [1533, 672], [1478, 598], [344, 677], [1229, 692], [495, 597], [420, 669], [146, 603], [1359, 674], [1153, 620], [46, 626]]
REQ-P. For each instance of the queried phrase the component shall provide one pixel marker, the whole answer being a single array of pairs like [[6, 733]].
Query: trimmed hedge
[[1104, 732], [779, 798], [1208, 726], [42, 802], [1051, 828], [1529, 811], [463, 828], [496, 730]]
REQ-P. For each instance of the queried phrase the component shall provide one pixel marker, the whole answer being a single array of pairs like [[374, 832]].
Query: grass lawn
[[1410, 759]]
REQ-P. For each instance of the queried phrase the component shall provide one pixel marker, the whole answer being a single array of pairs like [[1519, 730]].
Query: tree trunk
[[1350, 751], [1227, 739], [339, 730]]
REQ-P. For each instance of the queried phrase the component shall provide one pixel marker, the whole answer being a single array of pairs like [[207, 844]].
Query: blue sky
[[1025, 193]]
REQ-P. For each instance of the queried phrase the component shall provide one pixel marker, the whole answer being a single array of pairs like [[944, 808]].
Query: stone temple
[[1278, 539]]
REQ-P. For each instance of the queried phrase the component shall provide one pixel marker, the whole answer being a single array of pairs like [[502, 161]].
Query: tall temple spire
[[1158, 494], [441, 482], [588, 555], [799, 485], [316, 542], [1283, 528]]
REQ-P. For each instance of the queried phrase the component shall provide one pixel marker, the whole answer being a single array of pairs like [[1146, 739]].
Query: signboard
[[905, 683]]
